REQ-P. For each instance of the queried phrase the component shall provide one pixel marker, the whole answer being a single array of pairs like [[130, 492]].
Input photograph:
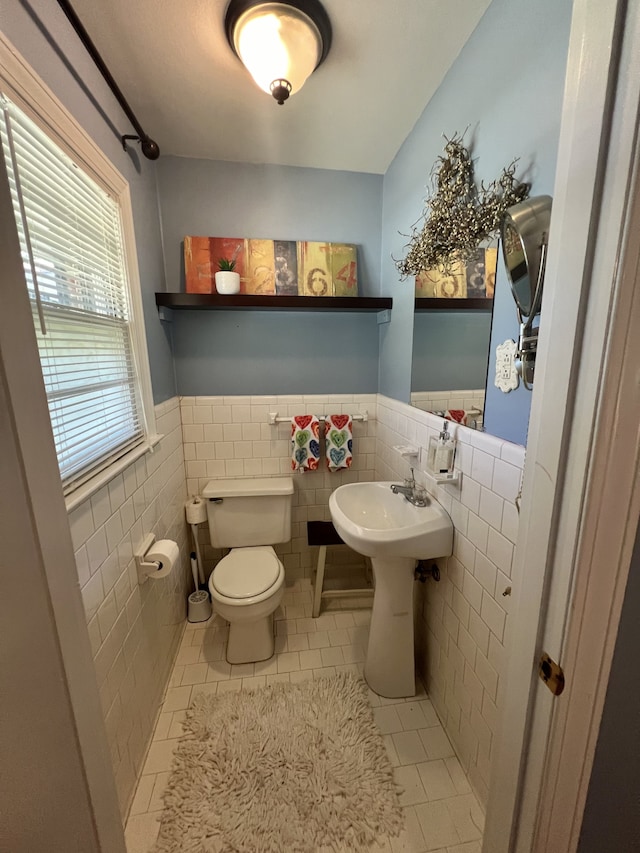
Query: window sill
[[86, 490]]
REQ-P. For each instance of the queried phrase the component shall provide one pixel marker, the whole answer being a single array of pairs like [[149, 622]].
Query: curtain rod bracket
[[150, 149]]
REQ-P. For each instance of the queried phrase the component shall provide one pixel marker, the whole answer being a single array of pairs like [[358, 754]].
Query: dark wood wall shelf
[[433, 304], [218, 302]]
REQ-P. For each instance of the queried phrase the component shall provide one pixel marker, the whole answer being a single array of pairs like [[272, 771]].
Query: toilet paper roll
[[196, 511], [164, 551]]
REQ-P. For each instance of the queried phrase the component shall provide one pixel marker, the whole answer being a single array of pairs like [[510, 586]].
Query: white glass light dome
[[279, 43]]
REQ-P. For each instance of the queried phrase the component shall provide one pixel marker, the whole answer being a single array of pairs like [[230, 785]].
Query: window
[[72, 241]]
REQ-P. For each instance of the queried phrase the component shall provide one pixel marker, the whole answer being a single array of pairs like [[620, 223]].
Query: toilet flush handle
[[216, 500]]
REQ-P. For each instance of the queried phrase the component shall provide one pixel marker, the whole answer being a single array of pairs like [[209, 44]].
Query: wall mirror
[[449, 364], [450, 355], [451, 344]]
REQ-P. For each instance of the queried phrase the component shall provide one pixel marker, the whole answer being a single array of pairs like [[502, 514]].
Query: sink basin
[[375, 522], [382, 525]]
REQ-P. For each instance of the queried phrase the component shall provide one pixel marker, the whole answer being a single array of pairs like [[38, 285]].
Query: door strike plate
[[551, 673]]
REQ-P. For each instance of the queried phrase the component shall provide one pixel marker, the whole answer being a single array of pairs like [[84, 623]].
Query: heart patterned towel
[[339, 441], [305, 450]]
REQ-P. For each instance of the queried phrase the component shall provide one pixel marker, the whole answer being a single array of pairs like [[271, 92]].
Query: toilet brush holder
[[199, 607]]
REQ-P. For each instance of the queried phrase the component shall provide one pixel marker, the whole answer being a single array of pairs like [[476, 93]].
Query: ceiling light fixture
[[281, 44]]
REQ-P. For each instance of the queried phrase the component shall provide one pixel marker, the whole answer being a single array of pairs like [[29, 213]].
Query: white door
[[57, 786], [584, 343]]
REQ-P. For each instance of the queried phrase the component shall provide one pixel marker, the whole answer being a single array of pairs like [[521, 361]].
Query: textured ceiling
[[193, 96]]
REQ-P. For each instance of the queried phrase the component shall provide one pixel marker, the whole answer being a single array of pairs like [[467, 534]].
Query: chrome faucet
[[407, 491], [412, 492]]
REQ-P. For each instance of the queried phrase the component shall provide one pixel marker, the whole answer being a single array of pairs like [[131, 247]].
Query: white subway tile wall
[[134, 629], [463, 620], [232, 437]]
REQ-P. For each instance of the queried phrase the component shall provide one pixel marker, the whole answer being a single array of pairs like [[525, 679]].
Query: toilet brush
[[199, 606], [194, 533]]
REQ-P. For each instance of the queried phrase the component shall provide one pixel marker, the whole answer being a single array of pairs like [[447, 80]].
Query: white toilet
[[246, 586]]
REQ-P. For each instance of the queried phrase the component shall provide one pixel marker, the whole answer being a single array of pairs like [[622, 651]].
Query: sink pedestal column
[[389, 667]]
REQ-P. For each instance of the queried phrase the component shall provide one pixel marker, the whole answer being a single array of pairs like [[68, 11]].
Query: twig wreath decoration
[[459, 215]]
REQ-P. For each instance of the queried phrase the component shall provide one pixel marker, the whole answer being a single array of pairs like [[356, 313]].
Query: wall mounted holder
[[155, 559], [274, 418], [145, 567], [453, 479], [408, 452]]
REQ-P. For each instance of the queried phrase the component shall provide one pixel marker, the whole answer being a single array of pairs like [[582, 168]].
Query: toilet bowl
[[246, 588], [247, 585]]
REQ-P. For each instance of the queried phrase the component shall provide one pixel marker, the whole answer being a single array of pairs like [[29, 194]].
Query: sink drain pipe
[[423, 571]]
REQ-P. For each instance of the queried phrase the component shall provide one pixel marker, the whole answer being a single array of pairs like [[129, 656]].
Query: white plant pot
[[227, 281]]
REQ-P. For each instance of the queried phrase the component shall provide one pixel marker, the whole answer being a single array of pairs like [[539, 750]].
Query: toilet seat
[[246, 572]]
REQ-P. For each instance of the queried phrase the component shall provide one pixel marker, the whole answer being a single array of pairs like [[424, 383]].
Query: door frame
[[572, 467], [609, 525]]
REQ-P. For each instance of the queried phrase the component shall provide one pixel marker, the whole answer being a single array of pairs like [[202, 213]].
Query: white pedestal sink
[[382, 525]]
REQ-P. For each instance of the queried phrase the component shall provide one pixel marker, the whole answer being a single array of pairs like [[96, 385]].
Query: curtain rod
[[149, 148]]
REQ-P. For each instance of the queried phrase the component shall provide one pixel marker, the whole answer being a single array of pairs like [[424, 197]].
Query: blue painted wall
[[42, 34], [275, 352], [506, 89], [210, 198], [272, 352], [450, 350]]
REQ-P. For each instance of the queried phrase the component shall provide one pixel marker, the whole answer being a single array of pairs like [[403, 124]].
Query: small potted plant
[[227, 280]]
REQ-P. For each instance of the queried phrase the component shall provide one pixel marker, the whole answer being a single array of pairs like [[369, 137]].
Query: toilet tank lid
[[250, 487]]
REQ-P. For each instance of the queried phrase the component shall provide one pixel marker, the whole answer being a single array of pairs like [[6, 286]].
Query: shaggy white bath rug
[[289, 768]]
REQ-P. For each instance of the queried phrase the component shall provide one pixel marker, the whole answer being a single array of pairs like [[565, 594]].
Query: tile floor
[[442, 813]]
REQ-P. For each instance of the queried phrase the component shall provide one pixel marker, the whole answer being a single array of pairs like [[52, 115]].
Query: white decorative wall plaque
[[507, 378]]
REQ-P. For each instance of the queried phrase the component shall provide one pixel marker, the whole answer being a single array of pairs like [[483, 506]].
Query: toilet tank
[[249, 512]]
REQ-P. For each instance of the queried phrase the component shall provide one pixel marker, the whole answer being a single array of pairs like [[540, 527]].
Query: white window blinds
[[71, 241]]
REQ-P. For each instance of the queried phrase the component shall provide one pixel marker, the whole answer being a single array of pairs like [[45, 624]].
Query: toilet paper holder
[[146, 568]]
